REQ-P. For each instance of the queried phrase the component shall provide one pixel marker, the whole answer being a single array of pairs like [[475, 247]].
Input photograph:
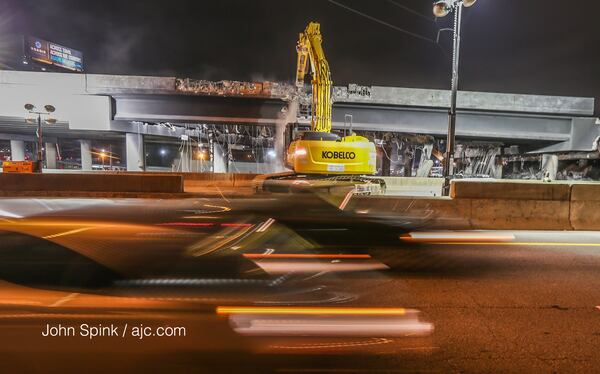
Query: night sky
[[520, 46]]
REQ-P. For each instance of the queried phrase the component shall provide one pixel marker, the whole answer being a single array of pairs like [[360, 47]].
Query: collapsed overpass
[[107, 105]]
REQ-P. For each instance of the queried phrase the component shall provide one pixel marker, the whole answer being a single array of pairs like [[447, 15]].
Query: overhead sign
[[45, 52]]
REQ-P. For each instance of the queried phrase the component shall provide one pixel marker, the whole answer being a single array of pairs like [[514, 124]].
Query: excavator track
[[289, 182]]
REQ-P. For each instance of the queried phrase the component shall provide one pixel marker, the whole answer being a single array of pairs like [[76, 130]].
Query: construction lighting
[[201, 155], [442, 8]]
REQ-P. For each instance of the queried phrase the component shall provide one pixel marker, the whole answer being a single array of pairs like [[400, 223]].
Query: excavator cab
[[327, 153]]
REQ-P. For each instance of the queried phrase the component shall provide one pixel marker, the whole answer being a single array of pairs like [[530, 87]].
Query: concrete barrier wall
[[509, 190], [91, 182], [585, 207], [405, 186], [515, 205], [215, 179], [478, 205], [109, 183], [433, 213], [200, 182], [499, 214], [468, 214]]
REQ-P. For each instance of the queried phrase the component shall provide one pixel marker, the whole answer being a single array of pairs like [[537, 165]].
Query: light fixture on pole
[[30, 108], [441, 9]]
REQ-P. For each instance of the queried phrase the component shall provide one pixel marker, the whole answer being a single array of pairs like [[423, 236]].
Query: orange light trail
[[187, 224], [65, 233], [310, 310], [300, 256]]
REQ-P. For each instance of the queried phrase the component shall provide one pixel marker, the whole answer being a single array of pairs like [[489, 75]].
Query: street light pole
[[40, 152], [442, 8], [48, 109], [449, 157]]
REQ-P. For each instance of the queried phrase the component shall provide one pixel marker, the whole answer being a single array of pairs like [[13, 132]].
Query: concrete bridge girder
[[102, 104], [470, 124]]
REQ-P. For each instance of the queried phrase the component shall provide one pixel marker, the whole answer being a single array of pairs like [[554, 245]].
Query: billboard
[[45, 52]]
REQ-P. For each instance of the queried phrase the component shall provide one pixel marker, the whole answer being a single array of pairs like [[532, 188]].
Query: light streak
[[524, 244], [65, 233], [310, 256], [311, 310], [265, 226], [346, 200], [443, 236]]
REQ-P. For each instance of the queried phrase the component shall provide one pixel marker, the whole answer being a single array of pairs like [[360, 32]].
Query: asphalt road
[[496, 301], [505, 308]]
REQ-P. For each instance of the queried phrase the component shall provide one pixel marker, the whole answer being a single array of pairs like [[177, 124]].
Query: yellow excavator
[[320, 151]]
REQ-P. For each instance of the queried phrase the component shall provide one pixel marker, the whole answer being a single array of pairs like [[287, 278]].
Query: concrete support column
[[221, 161], [386, 154], [186, 159], [50, 155], [86, 155], [408, 161], [134, 148], [499, 165], [549, 167], [426, 163], [17, 150]]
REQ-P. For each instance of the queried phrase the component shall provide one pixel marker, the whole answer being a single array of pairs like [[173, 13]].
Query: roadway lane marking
[[65, 233], [531, 244], [63, 300]]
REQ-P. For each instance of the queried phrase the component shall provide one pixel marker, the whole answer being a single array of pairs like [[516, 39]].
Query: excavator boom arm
[[310, 48]]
